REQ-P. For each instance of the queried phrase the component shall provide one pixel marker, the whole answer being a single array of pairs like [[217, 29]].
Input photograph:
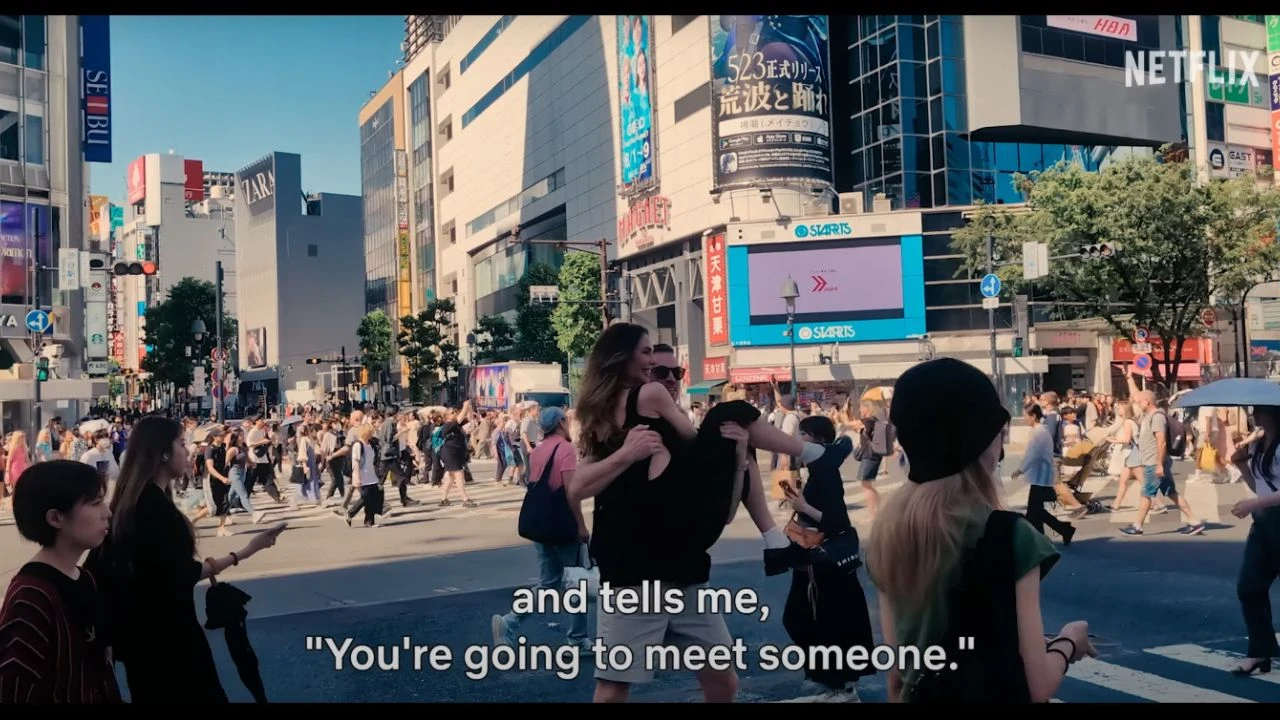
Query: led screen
[[841, 280]]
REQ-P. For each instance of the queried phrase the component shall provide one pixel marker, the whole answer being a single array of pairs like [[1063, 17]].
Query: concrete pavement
[[1166, 613]]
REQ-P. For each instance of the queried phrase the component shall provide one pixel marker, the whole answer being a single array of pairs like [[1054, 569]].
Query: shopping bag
[[1208, 459], [586, 570]]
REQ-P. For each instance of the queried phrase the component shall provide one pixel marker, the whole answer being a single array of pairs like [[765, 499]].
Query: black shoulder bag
[[982, 607], [545, 516]]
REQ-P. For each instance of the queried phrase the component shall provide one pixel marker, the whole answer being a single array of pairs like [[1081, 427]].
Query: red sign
[[717, 290], [136, 180], [650, 212], [715, 368], [750, 376], [1198, 350], [1209, 317], [1275, 139], [193, 188]]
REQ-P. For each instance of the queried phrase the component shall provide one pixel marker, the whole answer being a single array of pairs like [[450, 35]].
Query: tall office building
[[55, 117]]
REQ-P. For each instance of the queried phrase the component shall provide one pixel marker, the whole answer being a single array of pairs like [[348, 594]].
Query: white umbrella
[[90, 427], [291, 420], [1232, 392], [203, 432]]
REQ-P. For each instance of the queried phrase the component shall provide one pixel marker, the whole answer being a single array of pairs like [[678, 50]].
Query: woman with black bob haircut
[[52, 646], [150, 556]]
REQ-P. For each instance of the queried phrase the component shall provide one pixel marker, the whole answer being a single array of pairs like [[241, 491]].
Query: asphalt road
[[1163, 605]]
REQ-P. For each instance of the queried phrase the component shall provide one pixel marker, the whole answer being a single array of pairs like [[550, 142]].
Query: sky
[[227, 90]]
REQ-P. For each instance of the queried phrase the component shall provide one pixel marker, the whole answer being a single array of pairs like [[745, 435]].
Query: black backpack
[[545, 515], [1177, 435], [983, 610]]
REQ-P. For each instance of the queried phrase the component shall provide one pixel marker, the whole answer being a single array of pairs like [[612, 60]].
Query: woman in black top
[[826, 606], [453, 455], [150, 559]]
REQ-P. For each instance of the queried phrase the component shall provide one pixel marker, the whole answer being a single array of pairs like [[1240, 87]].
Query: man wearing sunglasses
[[666, 369]]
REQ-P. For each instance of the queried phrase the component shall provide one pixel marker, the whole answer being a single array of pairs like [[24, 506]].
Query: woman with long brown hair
[[150, 560]]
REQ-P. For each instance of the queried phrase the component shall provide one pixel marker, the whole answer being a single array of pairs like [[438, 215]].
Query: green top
[[1030, 549]]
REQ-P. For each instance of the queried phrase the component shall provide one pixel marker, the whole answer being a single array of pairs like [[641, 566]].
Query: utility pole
[[342, 376], [991, 315], [220, 377], [603, 246], [37, 341]]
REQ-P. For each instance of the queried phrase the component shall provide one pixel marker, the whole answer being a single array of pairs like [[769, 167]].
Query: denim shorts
[[1156, 483], [869, 467]]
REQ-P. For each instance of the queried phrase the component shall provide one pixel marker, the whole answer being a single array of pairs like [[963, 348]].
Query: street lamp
[[197, 329], [791, 291]]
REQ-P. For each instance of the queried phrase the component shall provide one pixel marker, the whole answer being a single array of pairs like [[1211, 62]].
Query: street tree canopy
[[1180, 243], [168, 332], [494, 339], [577, 317], [375, 341], [535, 336], [427, 348]]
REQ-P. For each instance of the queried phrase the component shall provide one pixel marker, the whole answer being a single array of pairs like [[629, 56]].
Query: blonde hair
[[919, 533], [364, 433]]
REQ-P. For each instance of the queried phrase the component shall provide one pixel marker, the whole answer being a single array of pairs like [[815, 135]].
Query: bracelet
[[213, 566], [1064, 657], [1050, 644], [235, 559]]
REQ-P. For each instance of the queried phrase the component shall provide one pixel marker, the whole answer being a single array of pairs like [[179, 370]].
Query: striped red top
[[51, 650]]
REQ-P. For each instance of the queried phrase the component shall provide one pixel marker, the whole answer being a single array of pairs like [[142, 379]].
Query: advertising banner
[[1273, 49], [95, 87], [404, 289], [99, 217], [716, 368], [22, 229], [770, 100], [256, 185], [95, 326], [635, 102], [1107, 26], [255, 347], [489, 386], [136, 181], [193, 187], [716, 281], [851, 290]]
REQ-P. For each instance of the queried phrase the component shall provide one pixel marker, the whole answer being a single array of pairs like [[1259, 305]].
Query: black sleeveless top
[[641, 529]]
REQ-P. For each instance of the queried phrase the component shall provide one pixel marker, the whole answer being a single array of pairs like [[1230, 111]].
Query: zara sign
[[257, 185]]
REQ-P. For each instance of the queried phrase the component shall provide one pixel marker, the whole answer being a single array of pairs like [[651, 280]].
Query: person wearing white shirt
[[100, 456]]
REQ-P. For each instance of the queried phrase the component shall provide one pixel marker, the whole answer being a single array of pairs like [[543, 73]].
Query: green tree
[[1179, 243], [425, 345], [375, 341], [115, 381], [578, 318], [535, 336], [494, 339], [168, 332]]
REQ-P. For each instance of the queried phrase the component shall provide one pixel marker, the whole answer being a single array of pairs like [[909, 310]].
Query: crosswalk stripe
[[1146, 685], [1220, 660]]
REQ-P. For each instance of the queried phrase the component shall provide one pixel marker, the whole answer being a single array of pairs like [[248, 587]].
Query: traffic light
[[145, 267], [314, 361], [1017, 347], [42, 369], [1098, 251]]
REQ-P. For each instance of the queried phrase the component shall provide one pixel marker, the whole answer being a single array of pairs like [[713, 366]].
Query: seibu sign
[[652, 212]]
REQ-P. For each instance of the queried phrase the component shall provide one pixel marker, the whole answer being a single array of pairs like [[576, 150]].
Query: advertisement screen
[[635, 101], [255, 347], [770, 99], [841, 280], [849, 290], [22, 228], [489, 386]]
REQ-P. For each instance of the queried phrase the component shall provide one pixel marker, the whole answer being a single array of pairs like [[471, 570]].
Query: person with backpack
[[1157, 462], [554, 525], [875, 443], [949, 561]]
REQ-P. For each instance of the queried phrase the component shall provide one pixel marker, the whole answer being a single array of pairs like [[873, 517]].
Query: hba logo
[[818, 230], [827, 332]]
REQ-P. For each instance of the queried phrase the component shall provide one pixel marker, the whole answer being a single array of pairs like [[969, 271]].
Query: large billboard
[[136, 180], [1273, 70], [99, 218], [490, 386], [404, 248], [193, 183], [22, 229], [635, 103], [851, 290], [95, 88], [255, 347], [770, 100], [256, 185]]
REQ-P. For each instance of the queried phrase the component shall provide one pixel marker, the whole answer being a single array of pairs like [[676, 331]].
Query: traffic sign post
[[38, 321], [990, 285], [1209, 317], [1142, 362]]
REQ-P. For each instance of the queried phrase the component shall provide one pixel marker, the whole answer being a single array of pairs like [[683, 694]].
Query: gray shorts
[[643, 630]]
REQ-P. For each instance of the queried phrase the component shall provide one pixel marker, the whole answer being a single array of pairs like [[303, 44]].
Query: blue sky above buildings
[[229, 89]]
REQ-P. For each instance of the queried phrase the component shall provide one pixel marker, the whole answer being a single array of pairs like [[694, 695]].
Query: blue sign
[[990, 285], [1142, 362], [38, 321], [854, 312], [824, 230], [95, 88], [635, 101]]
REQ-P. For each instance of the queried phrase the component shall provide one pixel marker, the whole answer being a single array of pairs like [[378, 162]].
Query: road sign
[[1142, 362], [217, 354], [1140, 334], [1142, 347], [38, 321], [99, 368], [1208, 317], [990, 303], [990, 285]]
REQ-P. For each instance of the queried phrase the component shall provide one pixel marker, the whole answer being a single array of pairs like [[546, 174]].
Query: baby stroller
[[1086, 458]]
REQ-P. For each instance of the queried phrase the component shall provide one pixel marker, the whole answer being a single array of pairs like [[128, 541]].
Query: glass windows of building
[[23, 40], [488, 39], [501, 265], [10, 137], [1040, 39], [33, 143], [539, 53], [377, 173], [420, 178], [513, 205]]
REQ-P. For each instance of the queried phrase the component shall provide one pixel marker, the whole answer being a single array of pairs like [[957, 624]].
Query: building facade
[[300, 266], [46, 142], [171, 222]]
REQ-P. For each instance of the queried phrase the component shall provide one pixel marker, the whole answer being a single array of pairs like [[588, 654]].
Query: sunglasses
[[660, 372]]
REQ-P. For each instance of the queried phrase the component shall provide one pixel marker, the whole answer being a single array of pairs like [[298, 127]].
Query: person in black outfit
[[453, 455], [826, 606], [150, 560]]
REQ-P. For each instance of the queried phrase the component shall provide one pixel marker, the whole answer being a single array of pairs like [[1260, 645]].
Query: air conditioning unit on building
[[851, 203], [881, 204]]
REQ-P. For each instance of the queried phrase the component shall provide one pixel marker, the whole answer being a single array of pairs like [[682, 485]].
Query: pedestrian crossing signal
[[42, 369], [1017, 347], [146, 268]]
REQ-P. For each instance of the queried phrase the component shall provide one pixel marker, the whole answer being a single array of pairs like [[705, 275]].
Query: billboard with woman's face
[[635, 102], [255, 348]]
